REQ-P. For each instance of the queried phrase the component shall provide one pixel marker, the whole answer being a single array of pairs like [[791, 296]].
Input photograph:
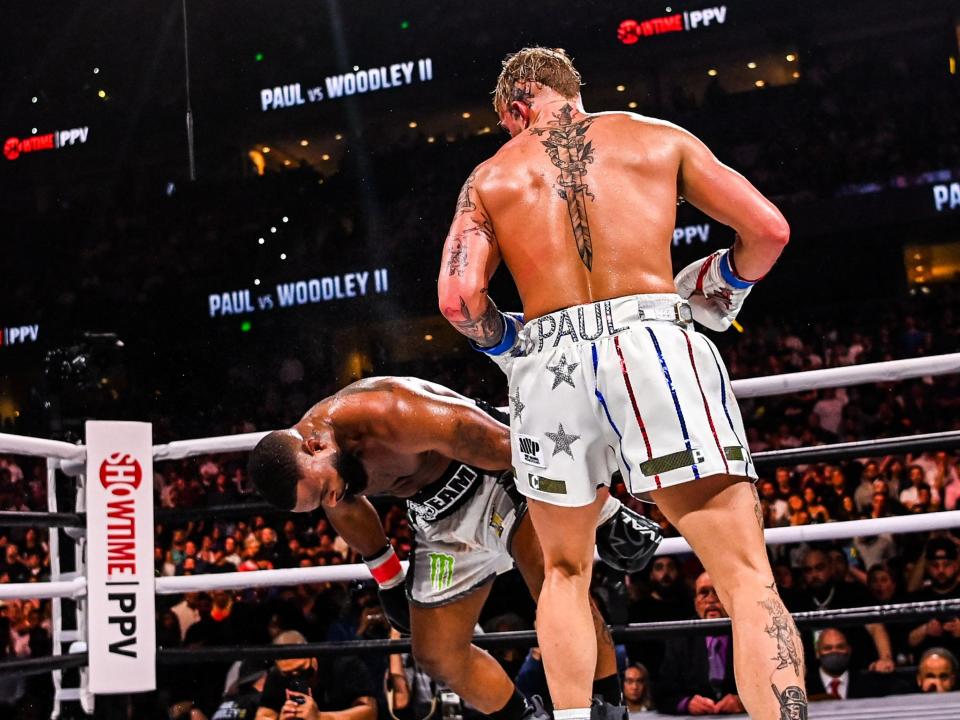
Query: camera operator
[[339, 687]]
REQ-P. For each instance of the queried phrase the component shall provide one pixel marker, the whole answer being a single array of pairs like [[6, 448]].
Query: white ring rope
[[889, 371], [39, 447], [881, 372], [669, 546], [751, 387], [42, 590], [180, 449], [346, 573]]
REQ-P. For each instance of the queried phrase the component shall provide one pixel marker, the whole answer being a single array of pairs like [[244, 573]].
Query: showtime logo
[[14, 147], [630, 31], [120, 474]]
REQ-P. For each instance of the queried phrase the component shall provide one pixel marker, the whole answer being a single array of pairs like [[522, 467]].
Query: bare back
[[405, 431], [583, 207]]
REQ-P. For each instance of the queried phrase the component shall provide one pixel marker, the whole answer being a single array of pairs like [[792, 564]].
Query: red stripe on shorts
[[706, 407], [633, 401]]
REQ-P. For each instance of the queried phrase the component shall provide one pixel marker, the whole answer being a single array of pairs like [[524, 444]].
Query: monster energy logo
[[441, 571]]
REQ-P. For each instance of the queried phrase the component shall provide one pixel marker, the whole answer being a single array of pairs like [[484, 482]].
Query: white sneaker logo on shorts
[[530, 450]]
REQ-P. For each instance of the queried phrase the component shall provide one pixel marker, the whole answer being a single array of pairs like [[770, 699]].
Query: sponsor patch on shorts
[[530, 450], [496, 522], [441, 570], [547, 485]]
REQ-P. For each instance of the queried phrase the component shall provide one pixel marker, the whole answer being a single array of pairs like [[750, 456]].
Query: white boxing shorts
[[463, 526], [624, 383]]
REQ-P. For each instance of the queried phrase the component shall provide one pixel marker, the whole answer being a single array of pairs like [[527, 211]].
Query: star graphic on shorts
[[563, 372], [562, 441], [517, 405]]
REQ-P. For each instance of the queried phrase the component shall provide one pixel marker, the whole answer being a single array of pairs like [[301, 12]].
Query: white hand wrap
[[715, 292]]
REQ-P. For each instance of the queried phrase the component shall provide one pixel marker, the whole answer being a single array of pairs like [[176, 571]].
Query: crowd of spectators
[[866, 570], [144, 264]]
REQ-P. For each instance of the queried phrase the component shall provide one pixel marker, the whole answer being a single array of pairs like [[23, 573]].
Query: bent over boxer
[[447, 455]]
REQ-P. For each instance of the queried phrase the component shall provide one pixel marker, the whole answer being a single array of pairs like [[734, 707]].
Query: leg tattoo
[[782, 629], [757, 508], [793, 702]]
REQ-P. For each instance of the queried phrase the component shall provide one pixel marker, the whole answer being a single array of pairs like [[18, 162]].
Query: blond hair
[[550, 68]]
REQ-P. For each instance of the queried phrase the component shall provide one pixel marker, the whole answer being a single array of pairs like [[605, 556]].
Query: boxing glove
[[713, 289], [627, 540], [388, 572]]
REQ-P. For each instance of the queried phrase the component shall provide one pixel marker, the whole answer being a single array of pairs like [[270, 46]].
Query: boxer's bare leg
[[526, 550], [565, 624], [720, 518], [442, 646]]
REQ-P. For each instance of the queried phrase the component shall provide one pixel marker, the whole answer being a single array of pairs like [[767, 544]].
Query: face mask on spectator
[[835, 663]]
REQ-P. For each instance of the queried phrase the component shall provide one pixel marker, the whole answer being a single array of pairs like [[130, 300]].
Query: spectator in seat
[[942, 571], [779, 513], [937, 671], [336, 688], [822, 591], [242, 698], [911, 496], [666, 599], [831, 678], [863, 495], [637, 692], [697, 673]]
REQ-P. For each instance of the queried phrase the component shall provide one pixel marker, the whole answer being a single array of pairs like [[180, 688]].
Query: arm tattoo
[[782, 629], [484, 228], [464, 203], [459, 260], [793, 702], [486, 330], [571, 152]]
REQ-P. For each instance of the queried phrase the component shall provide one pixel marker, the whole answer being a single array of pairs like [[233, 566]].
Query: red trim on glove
[[703, 272]]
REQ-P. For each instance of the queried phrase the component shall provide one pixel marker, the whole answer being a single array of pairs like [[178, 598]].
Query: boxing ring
[[70, 644]]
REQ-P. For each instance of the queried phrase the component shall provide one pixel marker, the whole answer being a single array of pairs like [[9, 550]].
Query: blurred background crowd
[[120, 250]]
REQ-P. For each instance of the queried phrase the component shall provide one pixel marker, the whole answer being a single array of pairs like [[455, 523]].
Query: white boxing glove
[[510, 346], [713, 289]]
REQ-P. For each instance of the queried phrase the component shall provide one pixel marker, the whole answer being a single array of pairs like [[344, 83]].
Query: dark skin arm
[[414, 419], [358, 523], [457, 429]]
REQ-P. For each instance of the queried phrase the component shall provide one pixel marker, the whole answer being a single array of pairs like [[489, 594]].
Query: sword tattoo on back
[[569, 150]]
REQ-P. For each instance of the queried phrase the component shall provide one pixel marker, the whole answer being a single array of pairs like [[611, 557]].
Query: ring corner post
[[121, 625]]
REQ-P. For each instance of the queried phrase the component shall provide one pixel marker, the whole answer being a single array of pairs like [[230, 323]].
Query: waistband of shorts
[[604, 318]]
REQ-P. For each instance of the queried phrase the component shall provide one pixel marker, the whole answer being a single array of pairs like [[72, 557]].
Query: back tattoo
[[569, 150]]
